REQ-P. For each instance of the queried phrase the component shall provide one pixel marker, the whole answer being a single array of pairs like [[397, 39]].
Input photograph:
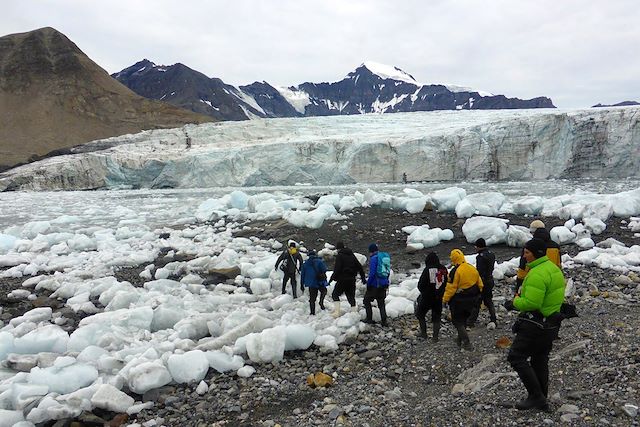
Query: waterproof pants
[[529, 356], [294, 284], [486, 298], [313, 294], [378, 294], [461, 309], [347, 287]]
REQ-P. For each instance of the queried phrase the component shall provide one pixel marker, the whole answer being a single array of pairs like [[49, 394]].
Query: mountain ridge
[[370, 88]]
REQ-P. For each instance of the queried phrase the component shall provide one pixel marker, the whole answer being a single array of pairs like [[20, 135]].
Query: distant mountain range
[[52, 97], [370, 88], [619, 104]]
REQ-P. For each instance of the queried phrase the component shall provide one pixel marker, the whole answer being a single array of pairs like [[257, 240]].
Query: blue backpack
[[384, 265]]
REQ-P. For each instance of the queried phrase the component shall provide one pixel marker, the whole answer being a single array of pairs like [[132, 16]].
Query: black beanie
[[480, 243], [537, 247], [340, 245]]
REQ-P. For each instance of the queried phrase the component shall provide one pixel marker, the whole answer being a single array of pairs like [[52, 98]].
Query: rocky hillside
[[52, 97], [370, 88]]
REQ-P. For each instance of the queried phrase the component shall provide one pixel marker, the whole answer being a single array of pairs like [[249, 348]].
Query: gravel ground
[[390, 376]]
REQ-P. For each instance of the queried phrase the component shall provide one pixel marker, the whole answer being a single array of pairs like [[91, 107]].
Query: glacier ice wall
[[430, 146]]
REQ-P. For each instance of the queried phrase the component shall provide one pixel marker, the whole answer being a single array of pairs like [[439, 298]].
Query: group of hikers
[[538, 297]]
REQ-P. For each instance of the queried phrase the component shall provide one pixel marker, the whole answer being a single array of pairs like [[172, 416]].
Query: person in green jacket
[[539, 302]]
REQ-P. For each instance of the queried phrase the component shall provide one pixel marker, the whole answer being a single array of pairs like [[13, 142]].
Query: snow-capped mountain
[[370, 88], [517, 145]]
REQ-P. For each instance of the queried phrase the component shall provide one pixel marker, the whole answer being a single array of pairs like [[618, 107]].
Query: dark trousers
[[313, 294], [461, 309], [424, 305], [378, 294], [347, 287], [487, 298], [529, 356], [294, 283]]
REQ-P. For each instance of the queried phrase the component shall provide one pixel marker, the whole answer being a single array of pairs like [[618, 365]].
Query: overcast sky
[[578, 53]]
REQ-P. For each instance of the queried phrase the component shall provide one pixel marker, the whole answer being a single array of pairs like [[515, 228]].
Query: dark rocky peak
[[137, 68], [619, 104], [271, 100], [42, 53]]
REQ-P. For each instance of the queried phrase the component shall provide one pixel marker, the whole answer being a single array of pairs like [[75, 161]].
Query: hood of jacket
[[432, 260], [456, 257]]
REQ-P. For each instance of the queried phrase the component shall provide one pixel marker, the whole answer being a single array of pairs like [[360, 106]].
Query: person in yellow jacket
[[463, 289]]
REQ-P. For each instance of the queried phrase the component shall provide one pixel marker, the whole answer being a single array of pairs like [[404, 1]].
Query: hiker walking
[[485, 262], [539, 303], [462, 292], [290, 262], [314, 276], [377, 283], [431, 287], [345, 270]]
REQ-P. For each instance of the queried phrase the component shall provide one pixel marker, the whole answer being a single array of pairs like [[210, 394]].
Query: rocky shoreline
[[391, 376]]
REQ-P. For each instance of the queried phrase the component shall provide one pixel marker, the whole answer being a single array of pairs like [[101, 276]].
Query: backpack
[[384, 265]]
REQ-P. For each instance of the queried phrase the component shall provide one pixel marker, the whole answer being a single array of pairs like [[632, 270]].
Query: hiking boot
[[384, 322], [533, 403], [423, 327], [467, 346], [436, 331], [369, 321], [336, 312]]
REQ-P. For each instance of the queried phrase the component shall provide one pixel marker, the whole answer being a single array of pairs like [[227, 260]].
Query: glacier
[[426, 146]]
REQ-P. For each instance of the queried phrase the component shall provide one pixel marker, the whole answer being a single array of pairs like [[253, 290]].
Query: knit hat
[[480, 243], [292, 244], [535, 224], [537, 247], [312, 252], [373, 248], [340, 245]]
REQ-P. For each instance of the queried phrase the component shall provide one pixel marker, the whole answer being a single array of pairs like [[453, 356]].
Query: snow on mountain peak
[[389, 72]]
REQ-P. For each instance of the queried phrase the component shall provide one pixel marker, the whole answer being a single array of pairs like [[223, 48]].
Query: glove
[[508, 304]]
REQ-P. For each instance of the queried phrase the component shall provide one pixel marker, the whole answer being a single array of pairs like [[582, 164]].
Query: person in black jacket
[[485, 262], [431, 287], [290, 262], [344, 274]]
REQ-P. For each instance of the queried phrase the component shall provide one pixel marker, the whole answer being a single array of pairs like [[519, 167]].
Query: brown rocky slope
[[53, 96]]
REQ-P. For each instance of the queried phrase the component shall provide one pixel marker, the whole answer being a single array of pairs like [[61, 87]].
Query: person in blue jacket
[[376, 288], [314, 276]]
